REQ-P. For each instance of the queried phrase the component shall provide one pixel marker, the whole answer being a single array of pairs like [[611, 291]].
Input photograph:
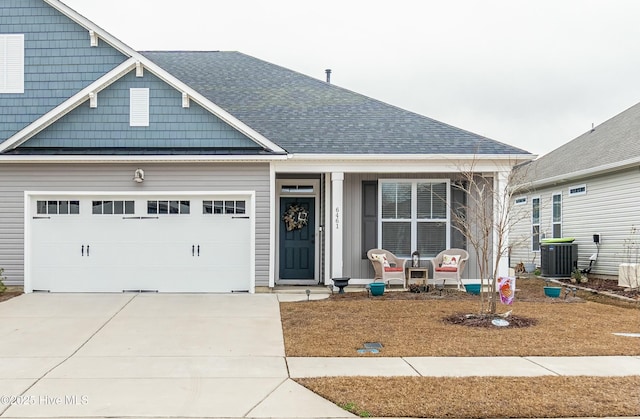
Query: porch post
[[337, 179], [501, 218]]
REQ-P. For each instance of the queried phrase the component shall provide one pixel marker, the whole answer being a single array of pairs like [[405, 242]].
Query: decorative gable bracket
[[185, 100], [93, 100], [94, 38], [139, 69]]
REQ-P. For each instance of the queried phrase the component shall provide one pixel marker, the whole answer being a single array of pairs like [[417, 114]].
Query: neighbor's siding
[[58, 61], [16, 178], [609, 208], [354, 265]]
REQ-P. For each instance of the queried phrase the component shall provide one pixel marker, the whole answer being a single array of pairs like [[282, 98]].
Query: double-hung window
[[414, 216], [535, 224], [12, 63], [557, 215]]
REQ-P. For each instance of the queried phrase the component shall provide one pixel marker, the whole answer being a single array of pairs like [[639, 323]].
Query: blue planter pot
[[553, 292], [472, 288], [377, 288]]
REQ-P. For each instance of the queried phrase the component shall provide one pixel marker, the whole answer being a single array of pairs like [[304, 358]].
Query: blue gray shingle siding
[[171, 127], [305, 115], [58, 61]]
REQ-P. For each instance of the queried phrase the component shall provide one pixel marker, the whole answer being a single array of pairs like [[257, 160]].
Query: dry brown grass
[[412, 325], [482, 397], [340, 325]]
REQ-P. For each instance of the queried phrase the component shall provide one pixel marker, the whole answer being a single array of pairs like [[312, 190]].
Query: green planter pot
[[472, 289], [553, 292], [377, 288]]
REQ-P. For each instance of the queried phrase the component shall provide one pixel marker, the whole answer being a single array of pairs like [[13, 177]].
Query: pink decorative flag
[[506, 289]]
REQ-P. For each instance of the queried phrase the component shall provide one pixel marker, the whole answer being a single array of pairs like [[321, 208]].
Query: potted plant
[[377, 288], [553, 292]]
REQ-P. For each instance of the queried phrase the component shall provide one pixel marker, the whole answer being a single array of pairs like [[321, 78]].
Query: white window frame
[[11, 63], [414, 210], [535, 244], [572, 190], [139, 107], [553, 215]]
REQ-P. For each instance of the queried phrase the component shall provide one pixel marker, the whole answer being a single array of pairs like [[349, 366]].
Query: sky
[[532, 74]]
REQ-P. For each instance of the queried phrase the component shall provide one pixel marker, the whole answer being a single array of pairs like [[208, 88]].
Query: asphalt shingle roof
[[614, 141], [306, 115]]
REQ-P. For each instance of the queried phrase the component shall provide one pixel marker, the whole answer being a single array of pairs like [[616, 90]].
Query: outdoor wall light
[[138, 176]]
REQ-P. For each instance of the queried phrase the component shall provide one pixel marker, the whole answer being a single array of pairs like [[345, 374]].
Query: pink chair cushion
[[391, 269], [446, 269]]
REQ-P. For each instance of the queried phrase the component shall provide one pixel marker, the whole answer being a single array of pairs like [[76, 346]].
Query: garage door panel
[[93, 251]]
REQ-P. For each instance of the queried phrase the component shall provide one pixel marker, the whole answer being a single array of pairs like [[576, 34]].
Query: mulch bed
[[9, 294], [605, 285]]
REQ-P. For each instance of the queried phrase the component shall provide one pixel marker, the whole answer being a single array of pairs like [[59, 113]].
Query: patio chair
[[387, 266], [449, 265]]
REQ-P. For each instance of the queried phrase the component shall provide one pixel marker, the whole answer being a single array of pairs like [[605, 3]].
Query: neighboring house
[[589, 186], [206, 171]]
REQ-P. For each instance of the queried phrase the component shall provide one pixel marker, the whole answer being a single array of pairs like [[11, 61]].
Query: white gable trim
[[76, 100], [164, 75]]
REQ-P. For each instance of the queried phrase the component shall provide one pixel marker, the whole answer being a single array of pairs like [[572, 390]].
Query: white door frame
[[315, 194]]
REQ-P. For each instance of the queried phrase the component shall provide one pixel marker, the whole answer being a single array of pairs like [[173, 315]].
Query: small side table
[[422, 276]]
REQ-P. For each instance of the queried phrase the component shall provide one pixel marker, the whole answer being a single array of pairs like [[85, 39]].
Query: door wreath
[[295, 217]]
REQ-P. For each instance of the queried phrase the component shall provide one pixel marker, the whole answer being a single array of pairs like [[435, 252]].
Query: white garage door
[[115, 243]]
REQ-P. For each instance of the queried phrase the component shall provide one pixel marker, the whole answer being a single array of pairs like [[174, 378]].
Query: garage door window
[[113, 207], [224, 207], [58, 207], [168, 207]]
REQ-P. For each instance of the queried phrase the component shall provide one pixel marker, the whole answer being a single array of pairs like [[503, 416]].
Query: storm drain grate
[[370, 347]]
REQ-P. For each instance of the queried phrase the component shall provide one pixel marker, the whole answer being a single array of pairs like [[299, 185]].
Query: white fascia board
[[592, 171], [397, 163], [164, 75], [67, 106], [11, 158]]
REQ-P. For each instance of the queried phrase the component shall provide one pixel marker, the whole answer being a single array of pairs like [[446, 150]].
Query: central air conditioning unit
[[558, 259]]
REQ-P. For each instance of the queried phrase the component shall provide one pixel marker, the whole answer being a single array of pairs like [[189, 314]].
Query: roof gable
[[58, 61], [610, 145], [172, 128], [305, 115]]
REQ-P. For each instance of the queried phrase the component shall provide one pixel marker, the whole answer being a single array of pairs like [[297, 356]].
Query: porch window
[[535, 224], [414, 216]]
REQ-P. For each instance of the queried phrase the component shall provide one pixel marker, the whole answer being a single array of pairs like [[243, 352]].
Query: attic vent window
[[578, 190], [12, 63], [521, 201], [139, 107]]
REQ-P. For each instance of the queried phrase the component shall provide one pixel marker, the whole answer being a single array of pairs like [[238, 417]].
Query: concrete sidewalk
[[533, 366], [196, 355]]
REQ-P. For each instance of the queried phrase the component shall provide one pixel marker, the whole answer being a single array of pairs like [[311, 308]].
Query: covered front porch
[[329, 213]]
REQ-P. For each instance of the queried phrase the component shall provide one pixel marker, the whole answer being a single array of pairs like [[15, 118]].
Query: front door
[[297, 238]]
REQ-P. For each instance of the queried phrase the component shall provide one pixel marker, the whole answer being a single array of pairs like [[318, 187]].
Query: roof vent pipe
[[328, 71]]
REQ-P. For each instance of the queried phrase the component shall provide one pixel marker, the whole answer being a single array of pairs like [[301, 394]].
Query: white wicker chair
[[443, 273], [395, 271]]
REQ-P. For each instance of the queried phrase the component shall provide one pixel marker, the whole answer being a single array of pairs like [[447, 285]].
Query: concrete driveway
[[148, 355]]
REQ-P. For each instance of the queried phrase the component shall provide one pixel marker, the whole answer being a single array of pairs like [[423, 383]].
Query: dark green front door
[[297, 238]]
